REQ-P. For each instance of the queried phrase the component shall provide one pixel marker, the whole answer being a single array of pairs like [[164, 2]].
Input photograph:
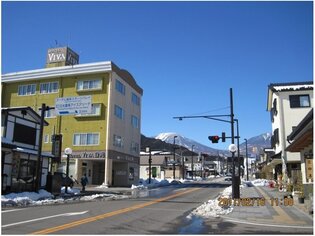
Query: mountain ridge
[[255, 144]]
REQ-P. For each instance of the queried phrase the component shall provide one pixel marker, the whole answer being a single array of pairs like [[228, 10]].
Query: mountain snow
[[255, 144]]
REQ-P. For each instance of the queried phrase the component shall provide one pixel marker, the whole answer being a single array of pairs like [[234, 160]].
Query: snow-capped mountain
[[187, 143], [255, 144]]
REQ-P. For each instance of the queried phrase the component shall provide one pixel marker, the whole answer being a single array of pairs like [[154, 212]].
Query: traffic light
[[214, 139], [223, 137]]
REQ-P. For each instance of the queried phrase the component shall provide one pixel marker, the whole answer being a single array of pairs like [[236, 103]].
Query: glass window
[[134, 147], [82, 139], [299, 101], [51, 87], [135, 121], [89, 84], [25, 90], [120, 87], [96, 110], [118, 141], [135, 99], [119, 112]]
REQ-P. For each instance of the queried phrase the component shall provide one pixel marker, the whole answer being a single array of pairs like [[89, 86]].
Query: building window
[[96, 110], [299, 101], [83, 85], [135, 99], [82, 139], [119, 112], [134, 147], [28, 89], [46, 138], [135, 122], [51, 87], [118, 141], [120, 87]]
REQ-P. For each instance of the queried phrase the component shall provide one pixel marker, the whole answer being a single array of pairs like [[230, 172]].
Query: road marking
[[271, 225], [109, 214], [44, 218], [6, 211]]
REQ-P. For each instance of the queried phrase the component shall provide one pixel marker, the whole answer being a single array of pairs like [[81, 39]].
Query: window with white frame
[[95, 111], [81, 139], [50, 113], [50, 87], [83, 85], [135, 121], [118, 141], [120, 87], [135, 99], [119, 112], [28, 89]]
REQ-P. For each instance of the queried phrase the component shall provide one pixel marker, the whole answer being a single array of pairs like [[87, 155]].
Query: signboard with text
[[73, 105]]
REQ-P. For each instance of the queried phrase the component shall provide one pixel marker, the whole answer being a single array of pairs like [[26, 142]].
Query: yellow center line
[[109, 214]]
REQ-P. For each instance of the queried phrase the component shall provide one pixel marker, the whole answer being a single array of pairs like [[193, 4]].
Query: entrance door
[[98, 172]]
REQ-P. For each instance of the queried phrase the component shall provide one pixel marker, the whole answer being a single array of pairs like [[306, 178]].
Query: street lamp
[[192, 161], [148, 149], [174, 157], [246, 160], [68, 152]]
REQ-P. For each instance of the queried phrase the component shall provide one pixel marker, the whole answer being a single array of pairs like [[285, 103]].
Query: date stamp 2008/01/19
[[255, 201]]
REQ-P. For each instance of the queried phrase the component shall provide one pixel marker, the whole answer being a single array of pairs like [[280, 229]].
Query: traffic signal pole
[[235, 179]]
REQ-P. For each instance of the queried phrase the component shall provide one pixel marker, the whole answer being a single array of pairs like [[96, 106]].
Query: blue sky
[[185, 55]]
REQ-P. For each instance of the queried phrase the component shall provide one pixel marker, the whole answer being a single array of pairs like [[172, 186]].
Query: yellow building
[[106, 142]]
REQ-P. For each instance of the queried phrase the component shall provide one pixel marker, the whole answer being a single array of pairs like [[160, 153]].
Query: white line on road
[[6, 211], [270, 225], [44, 218]]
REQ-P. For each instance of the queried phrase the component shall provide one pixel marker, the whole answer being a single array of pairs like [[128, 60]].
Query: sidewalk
[[273, 212]]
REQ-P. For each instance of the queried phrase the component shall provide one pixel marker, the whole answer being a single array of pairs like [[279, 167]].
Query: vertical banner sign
[[73, 105]]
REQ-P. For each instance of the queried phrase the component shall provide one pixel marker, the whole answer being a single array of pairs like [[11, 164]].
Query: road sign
[[73, 105]]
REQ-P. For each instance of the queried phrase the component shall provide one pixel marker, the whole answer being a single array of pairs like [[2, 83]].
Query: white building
[[288, 104]]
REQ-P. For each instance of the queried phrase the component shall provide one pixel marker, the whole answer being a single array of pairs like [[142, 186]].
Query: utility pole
[[174, 158], [39, 151], [192, 161]]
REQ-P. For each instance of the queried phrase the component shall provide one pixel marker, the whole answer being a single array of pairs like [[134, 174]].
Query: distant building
[[288, 104], [20, 128], [105, 142]]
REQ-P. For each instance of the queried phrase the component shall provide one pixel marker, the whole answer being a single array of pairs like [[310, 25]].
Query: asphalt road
[[156, 211]]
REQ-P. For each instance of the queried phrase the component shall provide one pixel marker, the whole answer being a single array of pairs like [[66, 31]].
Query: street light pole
[[148, 149], [246, 160], [192, 162], [174, 158]]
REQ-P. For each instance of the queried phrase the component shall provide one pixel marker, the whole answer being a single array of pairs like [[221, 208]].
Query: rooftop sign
[[64, 54]]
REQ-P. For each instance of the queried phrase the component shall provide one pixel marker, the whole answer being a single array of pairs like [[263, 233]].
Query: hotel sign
[[64, 54], [93, 155], [73, 105]]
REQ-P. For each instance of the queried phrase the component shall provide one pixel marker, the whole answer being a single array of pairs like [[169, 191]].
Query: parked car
[[66, 181]]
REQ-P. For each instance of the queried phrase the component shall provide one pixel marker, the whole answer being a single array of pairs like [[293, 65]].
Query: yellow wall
[[66, 125]]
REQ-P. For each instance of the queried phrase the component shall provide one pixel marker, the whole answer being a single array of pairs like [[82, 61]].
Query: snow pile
[[103, 195], [260, 182], [144, 184], [212, 208], [25, 198], [74, 191]]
